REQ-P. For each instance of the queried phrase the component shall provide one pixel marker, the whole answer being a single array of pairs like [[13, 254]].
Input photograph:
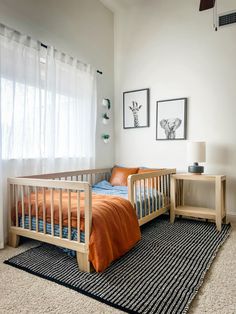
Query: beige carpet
[[21, 292]]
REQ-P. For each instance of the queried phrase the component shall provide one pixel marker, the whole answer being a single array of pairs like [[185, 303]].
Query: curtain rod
[[45, 46]]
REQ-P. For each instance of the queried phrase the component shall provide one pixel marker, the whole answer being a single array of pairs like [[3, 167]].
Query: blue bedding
[[104, 187], [56, 231]]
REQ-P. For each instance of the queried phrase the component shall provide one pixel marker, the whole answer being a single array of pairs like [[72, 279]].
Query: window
[[48, 103]]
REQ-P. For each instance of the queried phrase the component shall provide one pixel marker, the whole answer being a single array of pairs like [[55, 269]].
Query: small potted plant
[[105, 118], [106, 103], [106, 138]]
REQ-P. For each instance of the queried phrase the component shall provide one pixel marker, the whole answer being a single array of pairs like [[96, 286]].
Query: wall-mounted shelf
[[105, 118]]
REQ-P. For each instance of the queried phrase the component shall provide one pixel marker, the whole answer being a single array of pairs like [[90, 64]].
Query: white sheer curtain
[[48, 111]]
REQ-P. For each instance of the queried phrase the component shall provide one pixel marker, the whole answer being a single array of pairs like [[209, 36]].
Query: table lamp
[[196, 152]]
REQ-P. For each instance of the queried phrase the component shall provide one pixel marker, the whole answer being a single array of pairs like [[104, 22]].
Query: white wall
[[170, 47], [81, 28]]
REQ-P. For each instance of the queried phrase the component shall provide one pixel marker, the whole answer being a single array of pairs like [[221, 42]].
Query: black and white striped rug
[[162, 274]]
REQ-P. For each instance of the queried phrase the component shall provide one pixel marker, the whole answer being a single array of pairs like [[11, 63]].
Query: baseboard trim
[[231, 217]]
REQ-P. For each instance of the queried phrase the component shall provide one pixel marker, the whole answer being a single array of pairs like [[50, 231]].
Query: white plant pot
[[105, 121], [106, 140], [105, 102]]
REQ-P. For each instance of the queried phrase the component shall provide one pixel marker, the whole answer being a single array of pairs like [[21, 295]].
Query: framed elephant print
[[171, 119], [136, 109]]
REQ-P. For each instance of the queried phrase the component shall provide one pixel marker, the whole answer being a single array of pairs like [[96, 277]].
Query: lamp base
[[195, 168]]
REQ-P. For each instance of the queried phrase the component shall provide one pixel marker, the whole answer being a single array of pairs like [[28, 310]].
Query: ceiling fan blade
[[206, 4]]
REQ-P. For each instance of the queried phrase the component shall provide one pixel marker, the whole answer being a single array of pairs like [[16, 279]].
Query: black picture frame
[[130, 100], [164, 130]]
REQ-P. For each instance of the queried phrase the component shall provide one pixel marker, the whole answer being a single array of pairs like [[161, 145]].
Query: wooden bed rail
[[149, 193], [20, 191], [89, 175]]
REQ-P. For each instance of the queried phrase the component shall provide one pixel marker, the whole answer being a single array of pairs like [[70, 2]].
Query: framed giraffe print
[[136, 109]]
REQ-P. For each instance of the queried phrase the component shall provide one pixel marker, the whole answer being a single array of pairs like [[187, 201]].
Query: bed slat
[[136, 196], [148, 195], [52, 212], [60, 212], [155, 189], [69, 215], [88, 213], [78, 216], [44, 212], [36, 209], [164, 190], [29, 208], [140, 201], [16, 200], [152, 193], [145, 197], [169, 187], [22, 207], [159, 192]]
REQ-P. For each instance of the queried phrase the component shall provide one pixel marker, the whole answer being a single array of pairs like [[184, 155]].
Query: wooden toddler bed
[[57, 208]]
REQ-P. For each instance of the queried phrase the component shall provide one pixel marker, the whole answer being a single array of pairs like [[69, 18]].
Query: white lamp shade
[[196, 151]]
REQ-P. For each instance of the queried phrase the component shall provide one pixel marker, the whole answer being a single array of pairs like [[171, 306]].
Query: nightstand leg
[[218, 203], [172, 198], [182, 190], [223, 200]]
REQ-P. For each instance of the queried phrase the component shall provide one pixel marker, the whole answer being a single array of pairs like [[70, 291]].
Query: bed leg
[[83, 261], [14, 239]]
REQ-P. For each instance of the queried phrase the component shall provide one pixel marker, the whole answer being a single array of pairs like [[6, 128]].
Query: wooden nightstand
[[178, 206]]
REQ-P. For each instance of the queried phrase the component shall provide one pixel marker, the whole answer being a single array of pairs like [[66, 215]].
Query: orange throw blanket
[[115, 228]]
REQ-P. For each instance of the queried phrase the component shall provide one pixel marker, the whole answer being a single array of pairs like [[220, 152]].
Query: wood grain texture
[[178, 206]]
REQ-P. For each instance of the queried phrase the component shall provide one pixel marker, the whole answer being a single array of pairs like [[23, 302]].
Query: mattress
[[56, 231]]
